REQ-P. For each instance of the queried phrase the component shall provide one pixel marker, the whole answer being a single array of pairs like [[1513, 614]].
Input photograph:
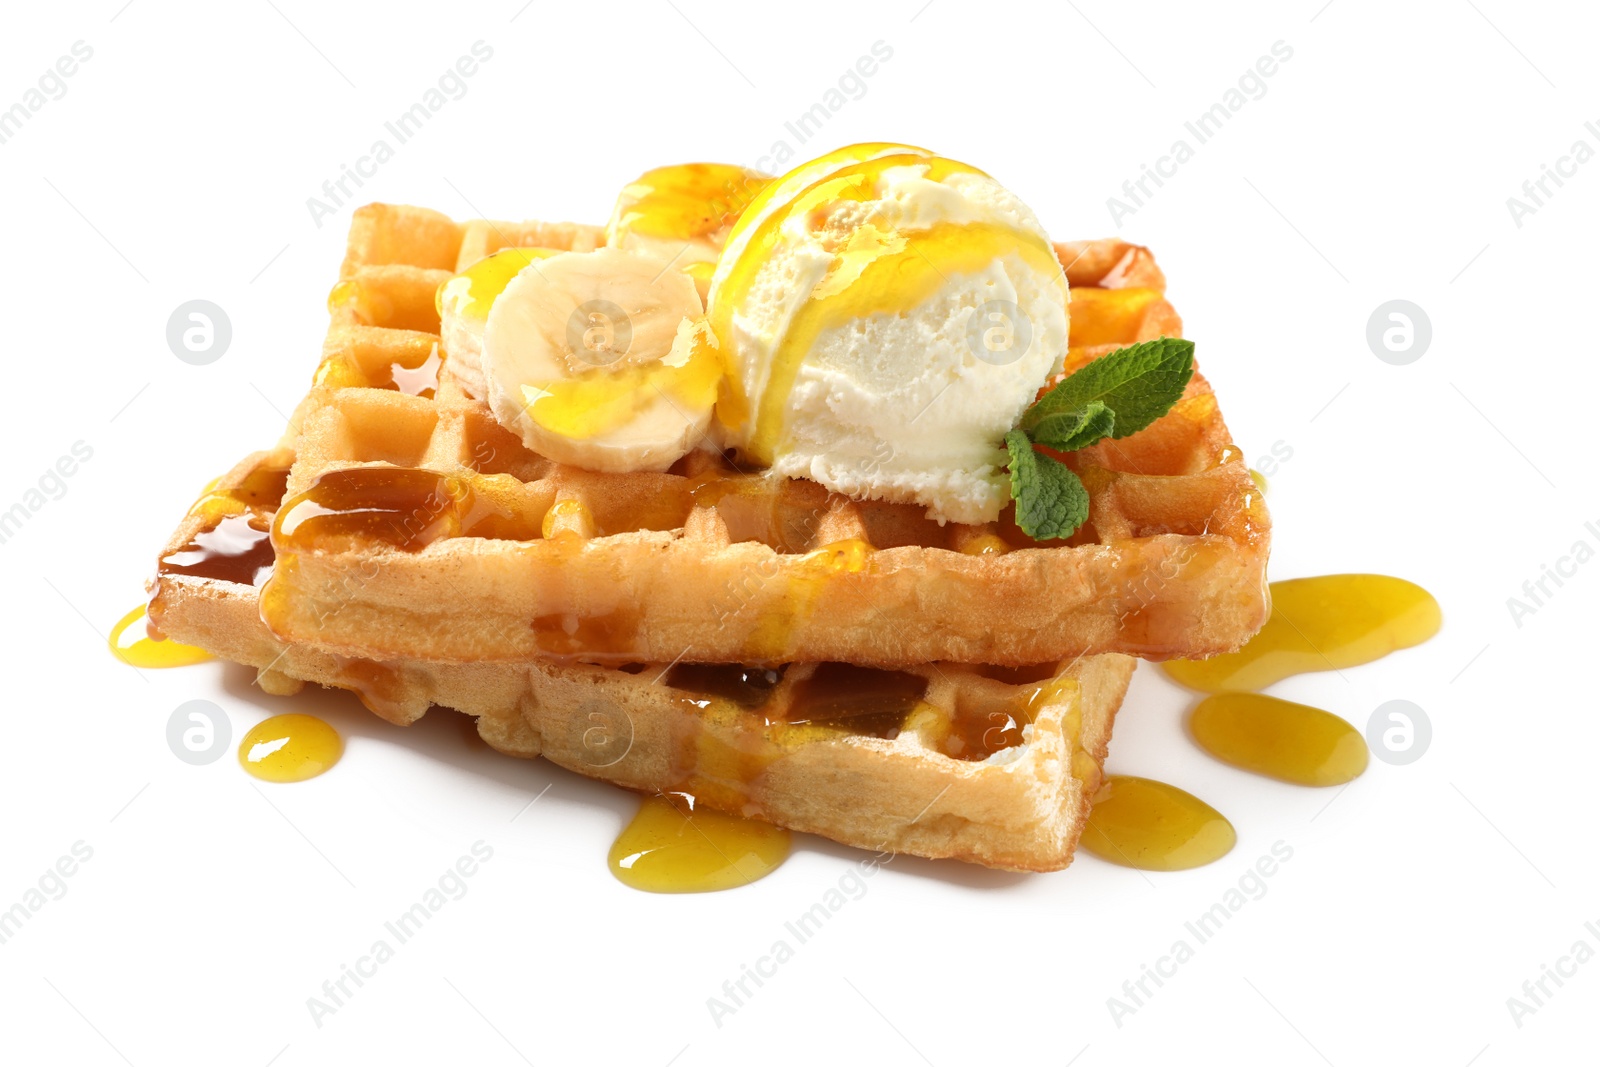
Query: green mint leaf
[[1051, 501], [1139, 384], [1068, 431]]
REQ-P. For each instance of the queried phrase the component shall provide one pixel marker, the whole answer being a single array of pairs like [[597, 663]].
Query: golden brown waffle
[[655, 728], [474, 548]]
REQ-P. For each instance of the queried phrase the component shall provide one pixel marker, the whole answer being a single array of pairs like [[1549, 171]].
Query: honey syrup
[[234, 545], [237, 549], [673, 846], [1278, 738], [1153, 826], [138, 646], [748, 687], [984, 724], [723, 767], [290, 748], [862, 700], [406, 507], [1319, 624]]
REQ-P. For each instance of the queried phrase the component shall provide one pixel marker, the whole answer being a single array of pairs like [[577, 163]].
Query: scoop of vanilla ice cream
[[885, 322]]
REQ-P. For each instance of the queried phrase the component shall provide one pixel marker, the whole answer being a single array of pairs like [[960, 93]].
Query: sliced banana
[[602, 360], [463, 304]]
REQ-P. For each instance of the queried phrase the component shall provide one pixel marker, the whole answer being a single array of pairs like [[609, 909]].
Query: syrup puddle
[[1153, 826], [135, 646], [669, 847], [1279, 739], [1319, 624], [290, 748]]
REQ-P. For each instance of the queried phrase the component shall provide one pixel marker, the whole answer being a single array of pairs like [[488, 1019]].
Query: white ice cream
[[892, 398]]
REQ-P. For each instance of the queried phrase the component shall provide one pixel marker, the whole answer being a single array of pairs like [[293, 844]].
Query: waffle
[[861, 771], [491, 553]]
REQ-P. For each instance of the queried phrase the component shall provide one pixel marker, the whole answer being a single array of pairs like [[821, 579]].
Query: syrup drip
[[671, 847], [290, 748], [984, 724], [1319, 624], [986, 545], [598, 400], [863, 700], [472, 292], [1291, 742], [139, 648], [748, 687], [262, 489], [1152, 826], [837, 702], [237, 549], [817, 572], [406, 507]]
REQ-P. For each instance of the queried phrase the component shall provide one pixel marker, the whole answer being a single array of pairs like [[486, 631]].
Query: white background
[[1377, 166]]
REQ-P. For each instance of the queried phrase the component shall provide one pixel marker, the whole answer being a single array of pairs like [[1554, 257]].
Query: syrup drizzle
[[141, 648], [985, 724], [1153, 826], [1279, 739], [748, 687], [407, 507], [673, 847], [864, 700], [237, 549], [1319, 624], [290, 748]]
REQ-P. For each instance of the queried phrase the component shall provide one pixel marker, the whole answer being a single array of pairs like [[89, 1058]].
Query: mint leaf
[[1139, 384], [1068, 431], [1051, 501]]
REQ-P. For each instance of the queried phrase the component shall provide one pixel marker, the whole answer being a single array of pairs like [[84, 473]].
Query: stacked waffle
[[840, 666]]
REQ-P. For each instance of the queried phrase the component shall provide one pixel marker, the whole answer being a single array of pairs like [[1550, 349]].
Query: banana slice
[[602, 360], [463, 304]]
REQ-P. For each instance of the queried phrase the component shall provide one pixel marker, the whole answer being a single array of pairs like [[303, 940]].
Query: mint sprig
[[1117, 395], [1049, 496], [1068, 431]]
